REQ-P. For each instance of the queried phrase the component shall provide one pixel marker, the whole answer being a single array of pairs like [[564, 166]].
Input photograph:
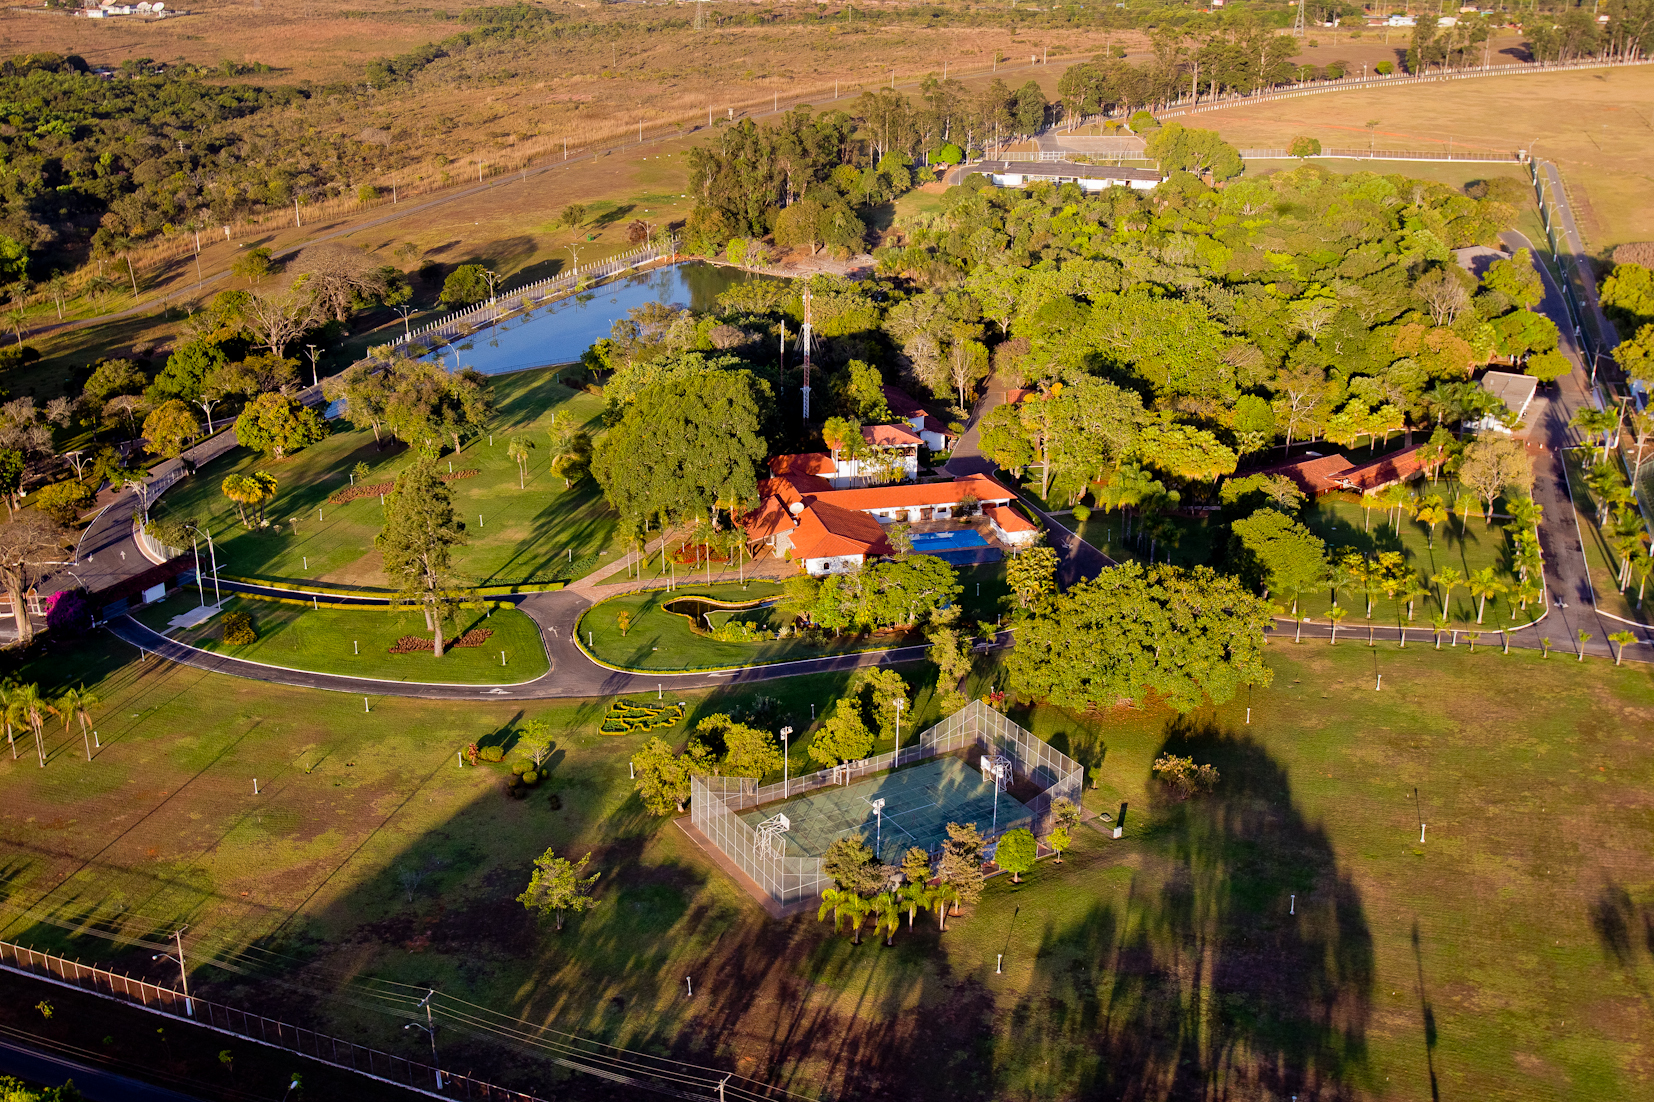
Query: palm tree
[[846, 906], [1438, 624], [1447, 579], [517, 449], [30, 708], [1431, 511], [8, 689], [1584, 637], [1483, 584], [887, 915], [939, 899], [1595, 422], [1336, 615], [1471, 637], [1396, 498], [1624, 639], [78, 704], [913, 896]]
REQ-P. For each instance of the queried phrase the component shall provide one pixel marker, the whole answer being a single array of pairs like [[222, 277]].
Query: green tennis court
[[919, 803]]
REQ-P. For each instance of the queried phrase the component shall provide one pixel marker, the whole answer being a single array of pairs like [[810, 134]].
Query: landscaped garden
[[367, 642], [1463, 543], [521, 526]]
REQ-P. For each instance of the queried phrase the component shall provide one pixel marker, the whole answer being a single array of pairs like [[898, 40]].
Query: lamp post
[[785, 731], [429, 1029], [183, 975]]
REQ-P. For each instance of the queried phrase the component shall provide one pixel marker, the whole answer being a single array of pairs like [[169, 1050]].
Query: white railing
[[444, 329]]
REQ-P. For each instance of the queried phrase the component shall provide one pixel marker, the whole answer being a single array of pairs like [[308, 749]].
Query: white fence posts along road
[[443, 330]]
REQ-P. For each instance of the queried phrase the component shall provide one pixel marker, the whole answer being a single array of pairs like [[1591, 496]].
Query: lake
[[559, 332]]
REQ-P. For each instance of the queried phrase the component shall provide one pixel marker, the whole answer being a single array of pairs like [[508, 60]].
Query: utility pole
[[183, 974], [805, 341], [429, 1028]]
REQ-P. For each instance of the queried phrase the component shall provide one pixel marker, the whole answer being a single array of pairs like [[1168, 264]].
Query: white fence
[[714, 801], [444, 329], [1185, 105], [1494, 157]]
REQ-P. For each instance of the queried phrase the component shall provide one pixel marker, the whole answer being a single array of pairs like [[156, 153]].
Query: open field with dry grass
[[1597, 125], [1287, 935]]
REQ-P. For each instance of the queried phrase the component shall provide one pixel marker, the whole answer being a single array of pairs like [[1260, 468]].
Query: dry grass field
[[1597, 125]]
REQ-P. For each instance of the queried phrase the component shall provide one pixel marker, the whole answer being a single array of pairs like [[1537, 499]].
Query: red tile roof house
[[935, 434], [891, 455], [831, 531], [1331, 473]]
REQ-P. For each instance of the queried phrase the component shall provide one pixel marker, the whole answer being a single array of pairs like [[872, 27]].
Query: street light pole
[[429, 1028], [785, 731], [183, 974]]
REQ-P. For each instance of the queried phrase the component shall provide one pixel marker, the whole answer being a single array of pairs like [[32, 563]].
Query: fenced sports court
[[918, 804], [744, 820]]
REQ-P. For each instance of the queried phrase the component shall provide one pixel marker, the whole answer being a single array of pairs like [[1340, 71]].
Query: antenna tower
[[805, 344], [1298, 23]]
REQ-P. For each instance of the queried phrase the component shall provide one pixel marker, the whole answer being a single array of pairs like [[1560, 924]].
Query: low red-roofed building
[[1315, 475], [1386, 470], [931, 431], [1010, 525], [810, 463]]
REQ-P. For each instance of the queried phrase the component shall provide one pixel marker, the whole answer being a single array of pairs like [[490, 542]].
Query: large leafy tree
[[279, 426], [843, 736], [663, 776], [170, 427], [1276, 552], [29, 543], [748, 751], [1187, 637], [421, 530], [684, 447]]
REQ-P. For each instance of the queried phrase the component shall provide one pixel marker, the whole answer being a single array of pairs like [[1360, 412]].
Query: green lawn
[[1287, 934], [1461, 543], [541, 533], [356, 642]]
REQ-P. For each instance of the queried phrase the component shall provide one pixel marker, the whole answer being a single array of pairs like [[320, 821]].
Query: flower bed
[[351, 493], [626, 716], [413, 644]]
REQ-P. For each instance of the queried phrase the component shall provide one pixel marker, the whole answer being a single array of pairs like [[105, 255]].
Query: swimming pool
[[927, 543]]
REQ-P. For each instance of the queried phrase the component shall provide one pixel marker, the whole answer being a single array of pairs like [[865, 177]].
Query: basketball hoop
[[769, 841]]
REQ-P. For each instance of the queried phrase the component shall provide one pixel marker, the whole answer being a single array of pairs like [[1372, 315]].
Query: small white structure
[[768, 840], [1516, 391], [1089, 177], [1012, 528]]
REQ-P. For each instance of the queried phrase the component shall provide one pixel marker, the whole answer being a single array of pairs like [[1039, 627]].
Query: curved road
[[572, 674]]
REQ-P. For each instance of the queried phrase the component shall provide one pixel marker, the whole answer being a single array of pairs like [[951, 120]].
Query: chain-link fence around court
[[787, 878]]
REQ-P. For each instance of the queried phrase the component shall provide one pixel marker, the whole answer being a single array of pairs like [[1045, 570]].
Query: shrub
[[238, 629], [531, 778], [1384, 68], [521, 767], [949, 154], [1082, 513], [1182, 777], [492, 753], [68, 613]]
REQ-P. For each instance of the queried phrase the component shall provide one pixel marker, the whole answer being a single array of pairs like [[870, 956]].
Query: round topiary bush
[[238, 629], [531, 778], [520, 767]]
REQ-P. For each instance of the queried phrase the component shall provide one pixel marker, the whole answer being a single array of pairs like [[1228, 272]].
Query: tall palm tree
[[517, 449], [30, 708], [8, 689], [1448, 578], [78, 704], [887, 915], [1484, 583], [1624, 639], [1336, 615], [938, 899]]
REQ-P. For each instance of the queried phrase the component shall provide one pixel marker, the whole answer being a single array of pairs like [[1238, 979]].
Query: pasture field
[[1603, 148], [518, 529], [1288, 934]]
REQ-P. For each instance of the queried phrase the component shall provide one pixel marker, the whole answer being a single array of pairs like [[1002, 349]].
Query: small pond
[[557, 333], [698, 610]]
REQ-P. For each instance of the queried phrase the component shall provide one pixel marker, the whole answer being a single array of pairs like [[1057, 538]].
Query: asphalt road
[[52, 1070]]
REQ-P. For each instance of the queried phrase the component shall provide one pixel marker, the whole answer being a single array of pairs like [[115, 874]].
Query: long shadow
[[1239, 965]]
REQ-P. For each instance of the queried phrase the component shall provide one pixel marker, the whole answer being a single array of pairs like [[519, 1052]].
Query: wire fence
[[638, 1070], [462, 322], [1487, 157], [714, 801]]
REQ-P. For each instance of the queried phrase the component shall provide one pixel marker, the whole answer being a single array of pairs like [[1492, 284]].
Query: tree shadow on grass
[[1211, 979]]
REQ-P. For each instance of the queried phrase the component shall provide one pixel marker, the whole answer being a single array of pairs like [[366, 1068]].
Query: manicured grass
[[540, 533], [1288, 933], [356, 642]]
